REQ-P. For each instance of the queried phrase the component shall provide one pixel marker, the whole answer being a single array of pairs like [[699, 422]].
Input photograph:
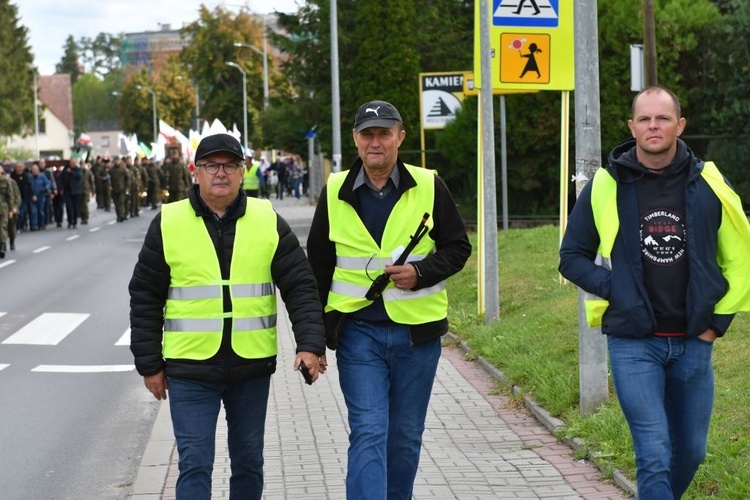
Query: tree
[[100, 55], [176, 95], [69, 63], [213, 37], [17, 95], [135, 106]]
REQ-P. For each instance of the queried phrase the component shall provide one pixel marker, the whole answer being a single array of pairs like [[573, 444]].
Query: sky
[[49, 22]]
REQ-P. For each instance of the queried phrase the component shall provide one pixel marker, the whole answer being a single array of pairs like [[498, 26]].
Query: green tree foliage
[[135, 106], [176, 95], [93, 100], [100, 55], [69, 63], [213, 37], [17, 87]]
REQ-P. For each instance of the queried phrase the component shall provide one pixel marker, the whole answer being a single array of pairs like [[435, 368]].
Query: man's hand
[[709, 335], [157, 384], [314, 363], [404, 277]]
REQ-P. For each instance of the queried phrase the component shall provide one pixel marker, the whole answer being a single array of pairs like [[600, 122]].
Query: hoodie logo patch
[[663, 237]]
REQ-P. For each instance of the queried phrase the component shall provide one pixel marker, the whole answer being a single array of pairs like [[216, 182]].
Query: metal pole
[[36, 112], [197, 110], [265, 66], [244, 101], [335, 98], [156, 130], [592, 345], [504, 162], [492, 288]]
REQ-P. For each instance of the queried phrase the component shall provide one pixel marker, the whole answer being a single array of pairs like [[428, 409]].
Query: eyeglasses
[[213, 168]]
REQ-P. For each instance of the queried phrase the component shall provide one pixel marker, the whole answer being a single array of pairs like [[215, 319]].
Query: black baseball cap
[[219, 143], [376, 114]]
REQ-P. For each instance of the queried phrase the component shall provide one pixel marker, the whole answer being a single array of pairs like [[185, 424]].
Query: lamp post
[[264, 53], [197, 103], [36, 112], [244, 100], [153, 100]]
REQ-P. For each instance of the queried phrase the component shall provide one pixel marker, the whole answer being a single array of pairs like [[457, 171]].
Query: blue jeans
[[386, 383], [195, 409], [666, 390]]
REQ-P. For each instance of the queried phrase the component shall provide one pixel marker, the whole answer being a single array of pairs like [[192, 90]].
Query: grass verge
[[535, 343]]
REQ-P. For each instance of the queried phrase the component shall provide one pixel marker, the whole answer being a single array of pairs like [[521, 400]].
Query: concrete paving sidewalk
[[476, 445]]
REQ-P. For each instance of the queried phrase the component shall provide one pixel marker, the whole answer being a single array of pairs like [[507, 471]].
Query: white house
[[56, 134]]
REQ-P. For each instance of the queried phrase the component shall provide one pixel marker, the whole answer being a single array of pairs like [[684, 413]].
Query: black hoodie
[[663, 232]]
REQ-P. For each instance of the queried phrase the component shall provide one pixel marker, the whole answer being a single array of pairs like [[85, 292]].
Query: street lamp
[[264, 53], [153, 97], [36, 112], [244, 99]]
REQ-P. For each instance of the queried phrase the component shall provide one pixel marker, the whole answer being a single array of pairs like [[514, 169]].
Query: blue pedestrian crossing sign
[[526, 13]]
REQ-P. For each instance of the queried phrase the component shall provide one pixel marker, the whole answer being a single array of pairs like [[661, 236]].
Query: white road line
[[3, 367], [125, 339], [94, 229], [3, 314], [6, 263], [40, 249], [112, 222], [82, 368], [71, 238], [47, 329]]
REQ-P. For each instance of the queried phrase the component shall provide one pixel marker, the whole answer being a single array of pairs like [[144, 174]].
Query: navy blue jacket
[[630, 313]]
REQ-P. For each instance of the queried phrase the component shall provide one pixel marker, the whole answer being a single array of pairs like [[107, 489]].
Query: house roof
[[55, 91]]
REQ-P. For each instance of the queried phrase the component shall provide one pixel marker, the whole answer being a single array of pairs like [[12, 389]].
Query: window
[[105, 141], [42, 126]]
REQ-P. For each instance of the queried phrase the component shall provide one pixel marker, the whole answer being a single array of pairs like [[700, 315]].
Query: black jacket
[[449, 234], [148, 294]]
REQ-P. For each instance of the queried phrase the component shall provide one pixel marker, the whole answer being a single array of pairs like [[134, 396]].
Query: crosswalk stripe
[[82, 368], [47, 329], [125, 339]]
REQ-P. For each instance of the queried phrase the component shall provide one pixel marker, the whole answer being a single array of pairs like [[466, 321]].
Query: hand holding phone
[[305, 373]]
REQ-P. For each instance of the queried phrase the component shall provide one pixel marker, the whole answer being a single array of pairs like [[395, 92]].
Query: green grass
[[535, 343]]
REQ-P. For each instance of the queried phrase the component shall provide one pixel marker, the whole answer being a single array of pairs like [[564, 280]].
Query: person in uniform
[[119, 178], [104, 186], [178, 178], [7, 199], [152, 183], [134, 203], [89, 188]]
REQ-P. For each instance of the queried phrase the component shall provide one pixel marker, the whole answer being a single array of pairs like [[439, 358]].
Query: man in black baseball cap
[[376, 114], [219, 143]]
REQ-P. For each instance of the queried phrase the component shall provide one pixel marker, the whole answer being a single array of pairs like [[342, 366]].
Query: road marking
[[71, 238], [112, 222], [40, 249], [94, 229], [3, 367], [125, 339], [47, 329], [3, 314], [83, 368], [6, 263]]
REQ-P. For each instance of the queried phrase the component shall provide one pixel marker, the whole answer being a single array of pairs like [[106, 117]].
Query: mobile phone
[[305, 373]]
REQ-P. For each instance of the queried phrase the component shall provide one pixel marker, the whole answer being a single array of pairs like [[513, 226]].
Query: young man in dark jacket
[[203, 316], [660, 244]]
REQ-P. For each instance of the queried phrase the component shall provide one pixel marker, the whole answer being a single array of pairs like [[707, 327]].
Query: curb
[[152, 472], [553, 424]]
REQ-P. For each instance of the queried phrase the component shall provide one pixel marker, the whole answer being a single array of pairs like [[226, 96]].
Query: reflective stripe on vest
[[359, 260], [194, 313], [733, 255], [250, 178]]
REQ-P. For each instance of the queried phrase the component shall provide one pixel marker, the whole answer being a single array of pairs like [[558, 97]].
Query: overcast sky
[[51, 21]]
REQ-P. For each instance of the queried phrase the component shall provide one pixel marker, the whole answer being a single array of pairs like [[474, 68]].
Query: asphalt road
[[74, 415]]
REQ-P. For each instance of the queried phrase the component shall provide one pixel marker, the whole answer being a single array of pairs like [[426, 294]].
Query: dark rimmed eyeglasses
[[213, 168]]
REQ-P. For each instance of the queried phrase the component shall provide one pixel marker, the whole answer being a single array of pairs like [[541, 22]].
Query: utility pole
[[592, 345], [335, 94], [649, 44]]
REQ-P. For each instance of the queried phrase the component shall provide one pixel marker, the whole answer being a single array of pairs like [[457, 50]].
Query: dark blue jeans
[[665, 386], [195, 409], [386, 383]]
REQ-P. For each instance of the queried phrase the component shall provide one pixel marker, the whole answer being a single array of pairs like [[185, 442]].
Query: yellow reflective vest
[[359, 259], [733, 255], [194, 313], [250, 180]]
